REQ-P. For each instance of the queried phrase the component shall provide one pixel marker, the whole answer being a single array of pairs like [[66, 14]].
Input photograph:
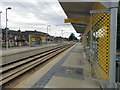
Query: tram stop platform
[[68, 70], [14, 54]]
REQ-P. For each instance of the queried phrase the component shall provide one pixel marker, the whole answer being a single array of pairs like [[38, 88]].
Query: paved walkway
[[74, 72]]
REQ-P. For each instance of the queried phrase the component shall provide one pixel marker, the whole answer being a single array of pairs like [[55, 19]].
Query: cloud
[[35, 15]]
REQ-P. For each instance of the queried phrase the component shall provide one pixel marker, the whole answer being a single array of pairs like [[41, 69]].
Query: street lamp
[[47, 34], [0, 19], [7, 29], [47, 28], [0, 31], [61, 31]]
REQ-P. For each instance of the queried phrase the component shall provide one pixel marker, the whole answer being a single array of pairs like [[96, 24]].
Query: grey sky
[[36, 15]]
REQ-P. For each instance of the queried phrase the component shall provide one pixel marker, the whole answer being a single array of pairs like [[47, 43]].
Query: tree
[[72, 37]]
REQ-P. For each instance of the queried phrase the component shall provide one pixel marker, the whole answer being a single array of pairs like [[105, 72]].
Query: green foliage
[[72, 37]]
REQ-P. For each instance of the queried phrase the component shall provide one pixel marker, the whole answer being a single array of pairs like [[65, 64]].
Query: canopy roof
[[81, 10]]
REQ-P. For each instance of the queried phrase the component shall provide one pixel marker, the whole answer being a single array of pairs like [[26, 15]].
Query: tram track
[[12, 70]]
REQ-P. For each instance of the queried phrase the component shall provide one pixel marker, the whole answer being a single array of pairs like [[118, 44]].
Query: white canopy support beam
[[113, 35]]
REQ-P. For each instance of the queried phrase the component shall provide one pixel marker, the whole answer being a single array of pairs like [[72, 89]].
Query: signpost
[[74, 20]]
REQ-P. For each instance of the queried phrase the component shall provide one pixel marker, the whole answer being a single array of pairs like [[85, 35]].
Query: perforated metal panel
[[100, 44]]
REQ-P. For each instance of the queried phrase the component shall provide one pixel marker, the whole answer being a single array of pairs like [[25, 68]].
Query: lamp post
[[62, 35], [0, 19], [0, 32], [7, 29], [47, 28], [61, 31], [47, 34]]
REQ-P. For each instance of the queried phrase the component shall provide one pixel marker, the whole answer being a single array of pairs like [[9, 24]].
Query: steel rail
[[25, 65]]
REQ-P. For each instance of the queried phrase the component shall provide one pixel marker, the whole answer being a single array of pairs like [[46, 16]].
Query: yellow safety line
[[34, 74]]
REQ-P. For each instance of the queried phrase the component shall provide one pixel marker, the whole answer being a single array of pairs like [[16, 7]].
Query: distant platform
[[14, 54]]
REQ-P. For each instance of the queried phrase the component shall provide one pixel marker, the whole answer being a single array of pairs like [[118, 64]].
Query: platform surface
[[68, 70], [22, 49], [14, 54]]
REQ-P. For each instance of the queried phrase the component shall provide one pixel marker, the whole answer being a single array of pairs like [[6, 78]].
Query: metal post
[[62, 35], [7, 29], [0, 19], [55, 38], [0, 34], [47, 33], [0, 50], [6, 32], [113, 34], [118, 72], [29, 40], [0, 24], [47, 29], [47, 36]]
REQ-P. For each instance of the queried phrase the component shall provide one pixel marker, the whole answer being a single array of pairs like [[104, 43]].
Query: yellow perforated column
[[101, 44]]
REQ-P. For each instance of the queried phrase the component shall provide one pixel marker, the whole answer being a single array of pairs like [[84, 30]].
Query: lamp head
[[9, 8]]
